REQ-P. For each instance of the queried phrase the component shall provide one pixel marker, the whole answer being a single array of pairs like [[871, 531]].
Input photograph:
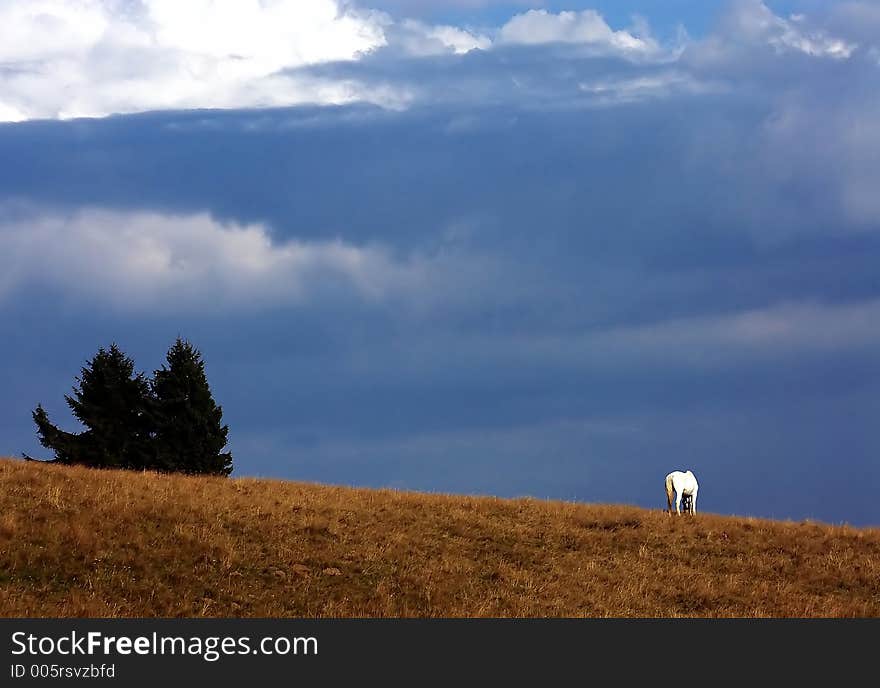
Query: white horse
[[683, 485]]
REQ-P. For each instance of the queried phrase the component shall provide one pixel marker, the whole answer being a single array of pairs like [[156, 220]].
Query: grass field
[[83, 542]]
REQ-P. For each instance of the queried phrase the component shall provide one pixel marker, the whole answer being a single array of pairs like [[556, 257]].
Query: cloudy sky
[[514, 247]]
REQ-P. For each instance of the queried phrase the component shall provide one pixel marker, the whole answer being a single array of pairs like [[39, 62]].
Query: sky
[[513, 248]]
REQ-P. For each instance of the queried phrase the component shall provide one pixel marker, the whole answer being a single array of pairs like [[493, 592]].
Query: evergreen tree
[[66, 445], [189, 436], [113, 405]]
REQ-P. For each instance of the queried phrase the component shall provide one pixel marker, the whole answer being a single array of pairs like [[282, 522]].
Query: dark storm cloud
[[556, 273]]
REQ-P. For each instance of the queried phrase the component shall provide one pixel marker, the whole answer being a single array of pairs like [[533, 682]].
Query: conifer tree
[[189, 434], [112, 402], [66, 445]]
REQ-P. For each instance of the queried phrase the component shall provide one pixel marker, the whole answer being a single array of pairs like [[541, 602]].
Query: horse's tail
[[669, 492]]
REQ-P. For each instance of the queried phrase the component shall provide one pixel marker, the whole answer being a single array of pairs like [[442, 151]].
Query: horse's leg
[[694, 503], [678, 502]]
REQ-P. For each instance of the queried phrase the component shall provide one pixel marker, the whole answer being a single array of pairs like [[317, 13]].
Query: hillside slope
[[81, 542]]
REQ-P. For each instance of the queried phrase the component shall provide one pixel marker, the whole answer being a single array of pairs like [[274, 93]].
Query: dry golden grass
[[82, 542]]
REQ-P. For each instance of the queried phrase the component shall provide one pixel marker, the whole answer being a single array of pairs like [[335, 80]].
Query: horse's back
[[686, 480]]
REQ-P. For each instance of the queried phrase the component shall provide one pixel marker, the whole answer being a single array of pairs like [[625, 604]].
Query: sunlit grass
[[83, 542]]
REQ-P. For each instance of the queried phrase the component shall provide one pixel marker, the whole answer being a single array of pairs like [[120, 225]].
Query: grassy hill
[[81, 542]]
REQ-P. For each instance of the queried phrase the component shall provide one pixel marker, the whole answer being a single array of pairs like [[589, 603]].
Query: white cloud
[[49, 29], [95, 57], [11, 114], [149, 260], [91, 58], [420, 39], [787, 35], [71, 58], [264, 36], [586, 28], [750, 24]]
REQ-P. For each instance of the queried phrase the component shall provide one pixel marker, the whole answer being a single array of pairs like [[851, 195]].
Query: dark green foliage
[[170, 423], [112, 404], [64, 444], [187, 422]]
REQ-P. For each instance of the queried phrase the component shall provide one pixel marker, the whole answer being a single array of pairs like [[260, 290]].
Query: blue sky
[[509, 248]]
